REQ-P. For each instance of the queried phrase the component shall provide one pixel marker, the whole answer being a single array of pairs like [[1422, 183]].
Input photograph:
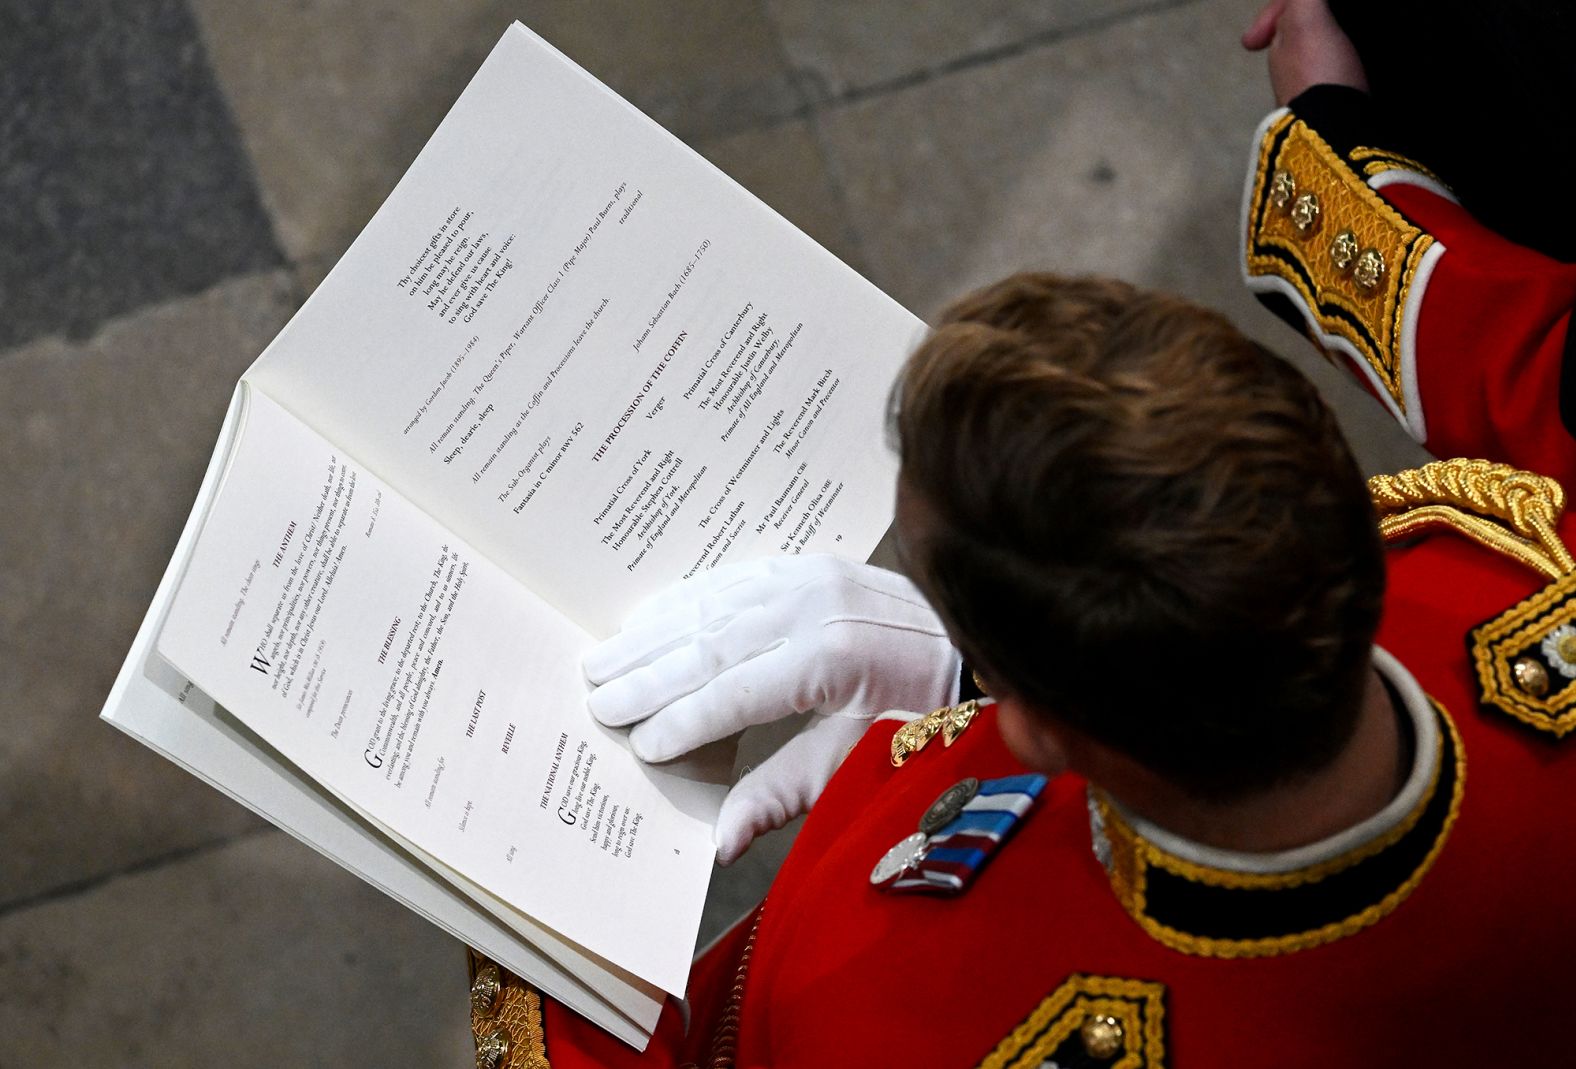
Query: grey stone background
[[176, 176]]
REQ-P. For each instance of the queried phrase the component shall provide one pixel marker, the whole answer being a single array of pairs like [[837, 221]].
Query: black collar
[[1219, 912]]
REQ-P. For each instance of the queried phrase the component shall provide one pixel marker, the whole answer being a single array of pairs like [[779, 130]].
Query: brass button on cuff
[[1283, 187], [485, 989], [1102, 1037], [1343, 251], [1305, 213], [1369, 270], [492, 1049], [1531, 676]]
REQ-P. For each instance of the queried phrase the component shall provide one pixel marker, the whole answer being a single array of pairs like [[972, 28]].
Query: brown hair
[[1144, 525]]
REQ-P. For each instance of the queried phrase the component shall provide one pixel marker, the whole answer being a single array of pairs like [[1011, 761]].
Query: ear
[[1032, 739]]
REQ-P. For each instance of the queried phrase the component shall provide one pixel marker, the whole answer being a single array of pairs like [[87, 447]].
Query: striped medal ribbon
[[961, 831]]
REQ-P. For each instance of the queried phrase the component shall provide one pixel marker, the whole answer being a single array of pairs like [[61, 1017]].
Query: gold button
[[492, 1049], [1283, 187], [1305, 213], [1369, 271], [1343, 250], [1102, 1037], [485, 989], [1531, 676]]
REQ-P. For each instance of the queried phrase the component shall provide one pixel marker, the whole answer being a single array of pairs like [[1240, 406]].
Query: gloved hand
[[750, 643]]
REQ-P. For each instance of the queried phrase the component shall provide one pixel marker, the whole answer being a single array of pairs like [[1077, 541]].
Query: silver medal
[[898, 860], [944, 810]]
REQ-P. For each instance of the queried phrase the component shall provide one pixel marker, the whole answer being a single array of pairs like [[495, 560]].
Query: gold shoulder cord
[[1524, 658], [1505, 509]]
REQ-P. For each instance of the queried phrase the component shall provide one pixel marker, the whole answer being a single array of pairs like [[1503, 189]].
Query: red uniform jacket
[[1461, 334], [1450, 942]]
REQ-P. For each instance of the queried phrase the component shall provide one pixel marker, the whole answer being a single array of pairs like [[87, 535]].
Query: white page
[[595, 357], [161, 709], [180, 722], [433, 694]]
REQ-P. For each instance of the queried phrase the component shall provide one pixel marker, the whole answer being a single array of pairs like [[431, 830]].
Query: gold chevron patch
[[1087, 1021]]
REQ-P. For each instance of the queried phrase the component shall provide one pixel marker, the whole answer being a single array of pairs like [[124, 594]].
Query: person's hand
[[1307, 47], [755, 642]]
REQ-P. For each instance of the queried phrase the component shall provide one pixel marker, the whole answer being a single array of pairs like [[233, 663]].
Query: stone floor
[[176, 176]]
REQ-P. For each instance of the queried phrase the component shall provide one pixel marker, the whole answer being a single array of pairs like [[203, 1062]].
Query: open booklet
[[568, 362]]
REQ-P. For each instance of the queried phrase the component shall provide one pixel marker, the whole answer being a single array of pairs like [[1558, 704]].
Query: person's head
[[1142, 529]]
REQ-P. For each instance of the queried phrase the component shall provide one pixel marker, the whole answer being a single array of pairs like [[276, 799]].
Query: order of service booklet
[[567, 362]]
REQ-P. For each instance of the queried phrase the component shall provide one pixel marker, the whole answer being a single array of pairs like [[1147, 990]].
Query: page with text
[[427, 689], [597, 358], [212, 745]]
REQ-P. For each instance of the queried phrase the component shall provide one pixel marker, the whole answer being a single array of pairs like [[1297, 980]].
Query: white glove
[[751, 643]]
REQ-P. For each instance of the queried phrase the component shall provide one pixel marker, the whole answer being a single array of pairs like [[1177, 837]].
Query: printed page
[[594, 356], [165, 711], [407, 675]]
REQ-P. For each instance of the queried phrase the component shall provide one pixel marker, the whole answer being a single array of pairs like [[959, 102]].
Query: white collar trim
[[1425, 733]]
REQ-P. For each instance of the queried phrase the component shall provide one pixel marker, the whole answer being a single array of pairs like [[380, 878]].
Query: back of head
[[1143, 525]]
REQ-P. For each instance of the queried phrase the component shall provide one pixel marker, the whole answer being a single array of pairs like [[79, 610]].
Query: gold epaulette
[[1316, 232], [1525, 658]]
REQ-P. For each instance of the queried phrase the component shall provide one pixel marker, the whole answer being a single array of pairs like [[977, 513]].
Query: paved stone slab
[[1119, 152], [335, 100], [841, 49], [258, 954], [104, 445], [121, 176]]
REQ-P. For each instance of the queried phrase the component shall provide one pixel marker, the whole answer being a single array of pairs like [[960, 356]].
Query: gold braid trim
[[1132, 856], [1519, 635], [1510, 511], [1377, 161], [1154, 857]]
